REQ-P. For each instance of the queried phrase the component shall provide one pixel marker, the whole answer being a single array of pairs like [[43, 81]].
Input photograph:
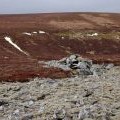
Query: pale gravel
[[77, 98]]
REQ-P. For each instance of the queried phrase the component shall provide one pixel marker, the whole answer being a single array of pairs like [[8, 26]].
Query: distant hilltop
[[62, 20]]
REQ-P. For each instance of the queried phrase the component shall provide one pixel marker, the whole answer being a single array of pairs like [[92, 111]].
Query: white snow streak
[[26, 33], [94, 34], [8, 39], [41, 32], [34, 32]]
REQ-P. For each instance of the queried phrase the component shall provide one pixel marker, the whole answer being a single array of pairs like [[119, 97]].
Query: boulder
[[109, 66], [73, 57]]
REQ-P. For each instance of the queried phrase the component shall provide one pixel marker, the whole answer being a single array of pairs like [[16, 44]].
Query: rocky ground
[[81, 97]]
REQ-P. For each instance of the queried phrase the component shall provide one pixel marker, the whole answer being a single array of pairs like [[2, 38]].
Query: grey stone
[[16, 88], [62, 61], [41, 109], [27, 117], [88, 119], [59, 114], [85, 113], [16, 112], [57, 64], [1, 108], [82, 65], [109, 66], [30, 103], [3, 102], [88, 93], [98, 111], [73, 57]]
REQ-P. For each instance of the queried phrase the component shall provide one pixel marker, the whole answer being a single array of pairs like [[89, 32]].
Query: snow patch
[[8, 39], [94, 34], [34, 32], [62, 38], [41, 32], [26, 33]]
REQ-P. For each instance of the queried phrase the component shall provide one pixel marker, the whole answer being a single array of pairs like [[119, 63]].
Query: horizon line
[[27, 13]]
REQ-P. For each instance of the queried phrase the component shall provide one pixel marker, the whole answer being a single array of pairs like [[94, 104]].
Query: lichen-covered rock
[[83, 66]]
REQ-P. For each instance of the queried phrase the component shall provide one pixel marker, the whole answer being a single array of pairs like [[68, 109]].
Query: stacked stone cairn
[[79, 65], [84, 66]]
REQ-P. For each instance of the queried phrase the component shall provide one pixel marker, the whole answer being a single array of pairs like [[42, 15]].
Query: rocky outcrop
[[79, 65]]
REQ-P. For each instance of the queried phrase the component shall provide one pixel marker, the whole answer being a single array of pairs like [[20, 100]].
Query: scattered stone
[[98, 111], [96, 71], [3, 102], [30, 103], [16, 88], [42, 97], [59, 114], [73, 57], [88, 93], [27, 117], [56, 64], [16, 112], [1, 108], [41, 109], [109, 66]]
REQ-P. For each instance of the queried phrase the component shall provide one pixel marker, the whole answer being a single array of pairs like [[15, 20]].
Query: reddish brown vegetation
[[24, 76], [14, 65]]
